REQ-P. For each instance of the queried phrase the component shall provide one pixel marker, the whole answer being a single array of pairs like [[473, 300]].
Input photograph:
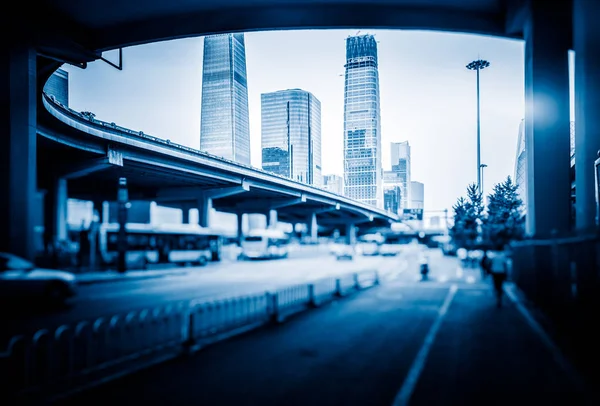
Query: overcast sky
[[428, 97]]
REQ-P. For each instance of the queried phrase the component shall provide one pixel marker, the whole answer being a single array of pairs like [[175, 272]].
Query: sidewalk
[[393, 345]]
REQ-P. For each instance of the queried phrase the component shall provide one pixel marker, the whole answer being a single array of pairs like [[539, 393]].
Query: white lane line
[[403, 396], [557, 354]]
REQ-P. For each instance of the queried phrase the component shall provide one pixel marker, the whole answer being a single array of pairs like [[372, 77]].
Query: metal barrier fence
[[51, 363], [560, 275]]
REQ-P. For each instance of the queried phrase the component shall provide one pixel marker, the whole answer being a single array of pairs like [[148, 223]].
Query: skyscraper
[[224, 125], [291, 135], [362, 127], [400, 173], [58, 86], [521, 164]]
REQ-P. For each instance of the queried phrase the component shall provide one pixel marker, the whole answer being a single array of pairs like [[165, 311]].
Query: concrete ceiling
[[78, 30]]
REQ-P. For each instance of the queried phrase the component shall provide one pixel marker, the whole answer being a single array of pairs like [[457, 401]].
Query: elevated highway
[[92, 155]]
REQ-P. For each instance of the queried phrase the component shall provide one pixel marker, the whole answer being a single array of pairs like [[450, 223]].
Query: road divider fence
[[56, 363]]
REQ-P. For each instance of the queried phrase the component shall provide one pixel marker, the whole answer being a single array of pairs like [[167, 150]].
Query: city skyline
[[109, 94]]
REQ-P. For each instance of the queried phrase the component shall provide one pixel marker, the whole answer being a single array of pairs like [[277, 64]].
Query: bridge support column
[[350, 234], [55, 212], [185, 214], [240, 228], [586, 37], [99, 209], [204, 209], [547, 120], [18, 173], [272, 219], [312, 227]]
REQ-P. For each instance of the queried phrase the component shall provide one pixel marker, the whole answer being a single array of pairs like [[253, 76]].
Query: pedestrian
[[499, 272], [485, 264]]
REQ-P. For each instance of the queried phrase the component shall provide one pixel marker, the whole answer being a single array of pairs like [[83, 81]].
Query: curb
[[126, 278]]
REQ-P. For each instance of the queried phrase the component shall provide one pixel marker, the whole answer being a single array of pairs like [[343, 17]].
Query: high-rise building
[[334, 184], [392, 196], [400, 173], [224, 125], [417, 198], [291, 135], [58, 86], [362, 128]]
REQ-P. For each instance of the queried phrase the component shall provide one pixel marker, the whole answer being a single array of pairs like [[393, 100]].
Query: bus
[[265, 244], [181, 244]]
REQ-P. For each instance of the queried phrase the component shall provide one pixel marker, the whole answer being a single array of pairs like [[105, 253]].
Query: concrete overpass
[[91, 155]]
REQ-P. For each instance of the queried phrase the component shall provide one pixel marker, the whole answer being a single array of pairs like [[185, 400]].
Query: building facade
[[363, 174], [291, 135], [58, 86], [417, 199], [334, 184], [224, 125], [401, 173], [392, 197]]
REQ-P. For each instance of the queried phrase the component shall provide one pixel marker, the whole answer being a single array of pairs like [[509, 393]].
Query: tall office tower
[[521, 165], [224, 125], [334, 184], [291, 135], [417, 192], [58, 86], [362, 128], [400, 173]]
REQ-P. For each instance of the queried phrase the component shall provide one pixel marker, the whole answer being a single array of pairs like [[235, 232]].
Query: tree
[[466, 232], [505, 221]]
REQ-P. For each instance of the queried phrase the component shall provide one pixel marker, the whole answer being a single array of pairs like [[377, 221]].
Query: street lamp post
[[482, 167], [477, 66]]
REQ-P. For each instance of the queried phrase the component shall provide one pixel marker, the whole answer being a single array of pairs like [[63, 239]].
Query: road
[[224, 279], [435, 342]]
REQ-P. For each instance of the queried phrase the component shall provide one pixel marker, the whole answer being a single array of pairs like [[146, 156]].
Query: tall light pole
[[481, 168], [477, 66]]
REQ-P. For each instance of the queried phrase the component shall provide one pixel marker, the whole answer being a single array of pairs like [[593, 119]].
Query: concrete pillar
[[204, 209], [547, 119], [185, 214], [61, 206], [312, 227], [272, 219], [240, 228], [586, 39], [350, 234], [18, 176]]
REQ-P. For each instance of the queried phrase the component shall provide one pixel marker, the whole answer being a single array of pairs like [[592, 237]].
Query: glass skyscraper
[[291, 135], [224, 125], [362, 128], [400, 173]]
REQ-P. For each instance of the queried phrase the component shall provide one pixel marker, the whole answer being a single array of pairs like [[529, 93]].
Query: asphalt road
[[435, 342], [214, 281]]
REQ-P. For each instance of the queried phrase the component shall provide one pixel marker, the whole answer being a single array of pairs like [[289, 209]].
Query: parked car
[[22, 280]]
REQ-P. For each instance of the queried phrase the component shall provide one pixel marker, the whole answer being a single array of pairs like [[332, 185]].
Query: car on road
[[22, 280]]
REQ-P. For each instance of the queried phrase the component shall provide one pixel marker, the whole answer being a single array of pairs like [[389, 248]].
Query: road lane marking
[[403, 396]]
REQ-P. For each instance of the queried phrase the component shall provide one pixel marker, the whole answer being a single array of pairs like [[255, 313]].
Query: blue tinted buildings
[[58, 86], [291, 135], [224, 125], [362, 128]]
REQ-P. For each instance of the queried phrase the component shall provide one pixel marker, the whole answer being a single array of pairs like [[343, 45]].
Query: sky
[[428, 97]]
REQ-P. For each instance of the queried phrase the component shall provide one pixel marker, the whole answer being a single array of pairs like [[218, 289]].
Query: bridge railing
[[53, 363]]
